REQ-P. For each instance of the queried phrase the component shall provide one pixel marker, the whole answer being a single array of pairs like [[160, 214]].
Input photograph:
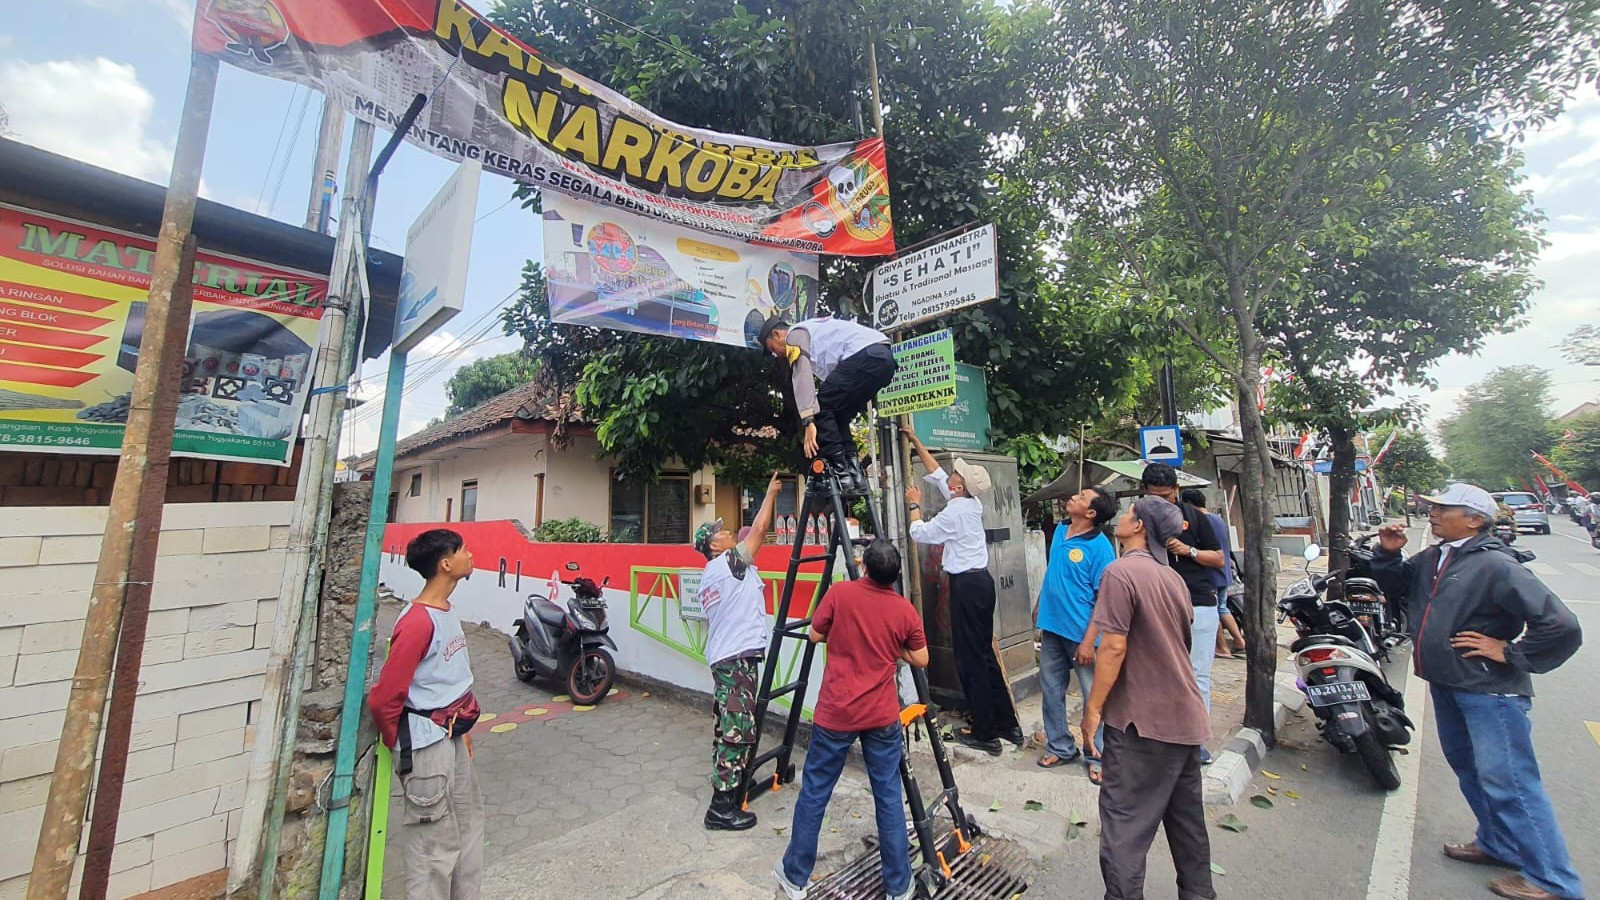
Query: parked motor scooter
[[1383, 619], [1506, 532], [1357, 710], [568, 645]]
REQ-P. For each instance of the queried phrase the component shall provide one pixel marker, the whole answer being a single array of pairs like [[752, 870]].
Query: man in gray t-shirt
[[1155, 722]]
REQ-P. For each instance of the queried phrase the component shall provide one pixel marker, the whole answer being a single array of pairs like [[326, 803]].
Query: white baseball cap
[[1469, 496]]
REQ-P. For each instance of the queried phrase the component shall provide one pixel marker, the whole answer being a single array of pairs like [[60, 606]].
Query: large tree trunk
[[1260, 576], [1340, 484]]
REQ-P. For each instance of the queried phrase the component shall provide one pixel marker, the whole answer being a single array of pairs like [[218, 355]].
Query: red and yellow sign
[[72, 303], [497, 100]]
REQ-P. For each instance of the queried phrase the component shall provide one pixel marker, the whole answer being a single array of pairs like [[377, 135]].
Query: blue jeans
[[1488, 741], [1057, 662], [1203, 649], [882, 749]]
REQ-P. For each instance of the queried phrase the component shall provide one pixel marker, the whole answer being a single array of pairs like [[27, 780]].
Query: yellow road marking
[[1594, 730], [503, 727]]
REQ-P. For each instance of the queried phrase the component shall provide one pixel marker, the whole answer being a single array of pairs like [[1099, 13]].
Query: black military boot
[[725, 814]]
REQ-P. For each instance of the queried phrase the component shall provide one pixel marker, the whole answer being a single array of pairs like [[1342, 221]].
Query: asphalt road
[[1325, 843]]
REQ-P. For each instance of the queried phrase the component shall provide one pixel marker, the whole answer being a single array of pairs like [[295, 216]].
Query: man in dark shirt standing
[[1154, 720], [869, 630], [1196, 555]]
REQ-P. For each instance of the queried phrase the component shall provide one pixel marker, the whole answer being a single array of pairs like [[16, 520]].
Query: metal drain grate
[[993, 869]]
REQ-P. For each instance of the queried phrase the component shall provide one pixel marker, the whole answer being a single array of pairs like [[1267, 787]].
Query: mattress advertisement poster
[[609, 269], [72, 313]]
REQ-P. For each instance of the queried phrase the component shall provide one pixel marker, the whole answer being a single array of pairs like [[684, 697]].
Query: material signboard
[[609, 269], [433, 283], [72, 313], [689, 594], [1162, 443], [926, 377], [964, 424], [937, 280], [493, 99]]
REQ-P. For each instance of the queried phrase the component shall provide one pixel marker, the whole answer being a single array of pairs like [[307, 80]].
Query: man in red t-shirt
[[869, 630]]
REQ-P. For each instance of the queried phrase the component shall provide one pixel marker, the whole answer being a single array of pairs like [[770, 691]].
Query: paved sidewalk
[[607, 802]]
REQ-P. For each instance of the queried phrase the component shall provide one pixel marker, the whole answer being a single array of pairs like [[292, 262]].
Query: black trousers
[[844, 395], [972, 634], [1147, 784]]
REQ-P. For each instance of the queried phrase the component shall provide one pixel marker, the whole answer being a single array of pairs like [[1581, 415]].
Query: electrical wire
[[266, 175], [673, 47], [288, 151]]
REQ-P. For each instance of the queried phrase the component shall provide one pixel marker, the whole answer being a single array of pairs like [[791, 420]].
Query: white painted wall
[[210, 629], [506, 467]]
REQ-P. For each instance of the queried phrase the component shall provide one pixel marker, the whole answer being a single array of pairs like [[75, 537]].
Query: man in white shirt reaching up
[[958, 528]]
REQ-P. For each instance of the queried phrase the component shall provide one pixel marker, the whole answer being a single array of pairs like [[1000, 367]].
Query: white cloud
[[1567, 244], [93, 110]]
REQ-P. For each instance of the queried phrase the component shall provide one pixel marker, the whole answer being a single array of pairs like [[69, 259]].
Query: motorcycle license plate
[[1336, 693], [1365, 608]]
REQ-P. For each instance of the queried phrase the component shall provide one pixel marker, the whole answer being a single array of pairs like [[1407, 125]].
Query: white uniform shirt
[[959, 527], [735, 608], [443, 676], [835, 340]]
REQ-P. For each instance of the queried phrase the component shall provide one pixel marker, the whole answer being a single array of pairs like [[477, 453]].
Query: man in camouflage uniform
[[734, 600]]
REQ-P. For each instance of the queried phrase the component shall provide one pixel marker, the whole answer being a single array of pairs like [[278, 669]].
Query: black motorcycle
[[1357, 710], [567, 644]]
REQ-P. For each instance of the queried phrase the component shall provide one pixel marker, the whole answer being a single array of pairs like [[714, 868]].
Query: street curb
[[1228, 776]]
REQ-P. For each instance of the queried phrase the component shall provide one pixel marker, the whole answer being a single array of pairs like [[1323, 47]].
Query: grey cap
[[1162, 522]]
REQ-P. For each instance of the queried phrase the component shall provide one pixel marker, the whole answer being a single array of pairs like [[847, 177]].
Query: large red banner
[[497, 100]]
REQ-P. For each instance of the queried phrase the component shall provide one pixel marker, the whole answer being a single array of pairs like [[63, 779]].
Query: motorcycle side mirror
[[1312, 553], [572, 567], [605, 581]]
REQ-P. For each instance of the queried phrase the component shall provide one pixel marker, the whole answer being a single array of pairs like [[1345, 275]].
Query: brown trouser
[[1146, 784], [441, 823]]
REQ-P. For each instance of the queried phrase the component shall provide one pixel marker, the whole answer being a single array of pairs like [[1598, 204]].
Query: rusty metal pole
[[136, 614], [127, 516]]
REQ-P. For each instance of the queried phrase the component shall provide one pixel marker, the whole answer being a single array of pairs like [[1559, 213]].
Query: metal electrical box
[[1006, 533]]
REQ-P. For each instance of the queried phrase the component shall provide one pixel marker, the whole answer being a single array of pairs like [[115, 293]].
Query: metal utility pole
[[297, 591], [319, 208], [136, 502]]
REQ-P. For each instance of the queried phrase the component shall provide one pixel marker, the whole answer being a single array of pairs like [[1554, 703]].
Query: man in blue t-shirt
[[1079, 553]]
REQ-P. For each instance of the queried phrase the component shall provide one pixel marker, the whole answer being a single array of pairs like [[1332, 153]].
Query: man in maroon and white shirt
[[423, 706]]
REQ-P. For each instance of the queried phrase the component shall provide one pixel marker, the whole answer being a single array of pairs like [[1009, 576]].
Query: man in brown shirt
[[1155, 721]]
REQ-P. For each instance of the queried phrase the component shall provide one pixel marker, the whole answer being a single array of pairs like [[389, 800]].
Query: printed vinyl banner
[[926, 377], [72, 312], [525, 117], [608, 269]]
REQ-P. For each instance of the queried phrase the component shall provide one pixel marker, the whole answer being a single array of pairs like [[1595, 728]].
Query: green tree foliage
[[569, 531], [1223, 146], [485, 379], [952, 79], [1496, 424], [1583, 345], [1410, 462], [1578, 453]]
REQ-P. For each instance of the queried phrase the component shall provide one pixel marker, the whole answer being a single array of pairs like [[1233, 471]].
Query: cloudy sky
[[103, 81]]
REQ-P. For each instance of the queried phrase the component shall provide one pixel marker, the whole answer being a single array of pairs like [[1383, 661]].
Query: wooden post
[[155, 387]]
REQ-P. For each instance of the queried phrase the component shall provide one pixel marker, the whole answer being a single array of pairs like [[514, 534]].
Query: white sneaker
[[790, 889], [911, 891]]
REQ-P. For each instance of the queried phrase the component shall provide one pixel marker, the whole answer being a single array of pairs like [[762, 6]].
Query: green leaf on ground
[[1232, 823], [1218, 870], [1261, 801], [995, 806], [1076, 819], [1032, 805], [1291, 795]]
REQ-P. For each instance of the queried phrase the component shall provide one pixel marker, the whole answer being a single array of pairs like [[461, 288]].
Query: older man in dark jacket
[[1481, 625]]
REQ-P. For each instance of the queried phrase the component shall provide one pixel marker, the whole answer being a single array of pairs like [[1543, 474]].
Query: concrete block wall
[[206, 649]]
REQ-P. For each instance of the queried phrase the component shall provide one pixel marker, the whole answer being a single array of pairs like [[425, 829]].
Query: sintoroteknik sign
[[934, 281]]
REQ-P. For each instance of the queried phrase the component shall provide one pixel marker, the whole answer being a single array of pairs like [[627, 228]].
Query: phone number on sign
[[50, 439]]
